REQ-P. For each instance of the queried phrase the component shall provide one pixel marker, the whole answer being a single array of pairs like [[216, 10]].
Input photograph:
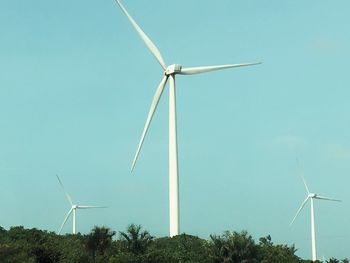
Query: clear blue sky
[[76, 83]]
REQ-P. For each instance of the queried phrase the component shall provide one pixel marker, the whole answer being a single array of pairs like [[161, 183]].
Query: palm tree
[[232, 247], [99, 240], [136, 241]]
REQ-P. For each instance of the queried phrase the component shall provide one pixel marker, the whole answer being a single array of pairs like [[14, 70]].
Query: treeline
[[102, 245]]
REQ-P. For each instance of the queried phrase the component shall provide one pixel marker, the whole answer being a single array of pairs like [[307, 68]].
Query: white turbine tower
[[73, 209], [312, 197], [169, 73]]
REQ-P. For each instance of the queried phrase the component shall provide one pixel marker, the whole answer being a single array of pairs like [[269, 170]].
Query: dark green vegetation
[[102, 245]]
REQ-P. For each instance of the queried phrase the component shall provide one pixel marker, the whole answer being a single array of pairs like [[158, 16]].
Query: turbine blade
[[154, 50], [301, 171], [66, 194], [326, 198], [89, 206], [300, 208], [153, 108], [305, 184], [198, 70], [65, 220]]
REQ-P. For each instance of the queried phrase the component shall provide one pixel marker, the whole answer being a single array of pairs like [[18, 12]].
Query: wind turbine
[[73, 209], [169, 73], [312, 197]]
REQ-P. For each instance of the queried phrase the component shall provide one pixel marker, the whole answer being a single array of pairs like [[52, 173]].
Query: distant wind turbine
[[169, 73], [73, 209], [312, 197]]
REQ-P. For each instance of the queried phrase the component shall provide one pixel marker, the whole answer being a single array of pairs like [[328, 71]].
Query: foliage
[[135, 241], [20, 245], [270, 253], [182, 248], [233, 247], [98, 241]]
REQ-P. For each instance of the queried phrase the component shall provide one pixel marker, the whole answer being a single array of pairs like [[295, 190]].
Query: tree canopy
[[135, 245]]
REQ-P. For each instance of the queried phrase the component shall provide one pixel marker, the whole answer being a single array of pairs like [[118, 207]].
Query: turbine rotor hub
[[313, 195], [173, 69]]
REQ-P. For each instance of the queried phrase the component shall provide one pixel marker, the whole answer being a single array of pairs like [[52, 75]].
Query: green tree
[[135, 240], [270, 253], [182, 248], [72, 248], [20, 245], [232, 247], [98, 241], [11, 253], [46, 254]]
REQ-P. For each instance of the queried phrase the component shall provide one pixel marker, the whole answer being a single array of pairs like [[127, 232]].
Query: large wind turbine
[[169, 73], [73, 209], [312, 197]]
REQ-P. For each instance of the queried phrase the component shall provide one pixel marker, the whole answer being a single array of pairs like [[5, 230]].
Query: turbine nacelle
[[173, 69], [74, 206], [312, 195]]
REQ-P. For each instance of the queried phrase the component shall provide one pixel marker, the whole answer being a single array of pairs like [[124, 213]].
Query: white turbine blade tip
[[65, 193], [302, 176], [151, 46], [65, 220], [90, 206], [299, 210], [134, 162], [132, 167], [59, 180], [204, 69], [151, 112], [305, 184], [327, 198]]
